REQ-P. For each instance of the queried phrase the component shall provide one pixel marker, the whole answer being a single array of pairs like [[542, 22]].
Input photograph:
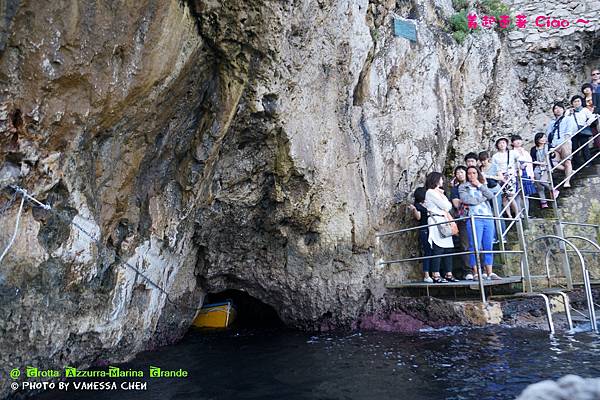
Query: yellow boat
[[216, 315]]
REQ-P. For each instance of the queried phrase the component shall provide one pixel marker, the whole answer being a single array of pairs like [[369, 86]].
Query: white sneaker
[[427, 280], [469, 277]]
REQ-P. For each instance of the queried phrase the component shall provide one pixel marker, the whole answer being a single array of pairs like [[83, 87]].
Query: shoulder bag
[[448, 229]]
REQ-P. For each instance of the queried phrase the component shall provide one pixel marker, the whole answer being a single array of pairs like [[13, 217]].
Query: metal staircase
[[564, 246]]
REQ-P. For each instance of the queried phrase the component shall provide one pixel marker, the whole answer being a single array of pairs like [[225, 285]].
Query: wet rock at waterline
[[256, 146], [570, 387]]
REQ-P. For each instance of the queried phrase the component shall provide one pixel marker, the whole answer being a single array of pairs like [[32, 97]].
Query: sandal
[[439, 279], [494, 277], [451, 278]]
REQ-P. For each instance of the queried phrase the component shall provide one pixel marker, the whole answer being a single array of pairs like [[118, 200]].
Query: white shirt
[[437, 203], [505, 161], [523, 155], [581, 118]]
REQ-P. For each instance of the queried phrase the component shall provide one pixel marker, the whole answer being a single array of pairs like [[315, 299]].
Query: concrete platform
[[470, 284]]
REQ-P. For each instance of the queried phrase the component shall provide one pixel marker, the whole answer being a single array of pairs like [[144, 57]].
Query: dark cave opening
[[250, 312]]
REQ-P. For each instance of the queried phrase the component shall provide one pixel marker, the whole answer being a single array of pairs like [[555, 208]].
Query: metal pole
[[524, 260], [523, 196], [551, 180], [477, 258], [566, 262], [559, 228], [548, 312], [590, 299], [548, 268], [499, 233]]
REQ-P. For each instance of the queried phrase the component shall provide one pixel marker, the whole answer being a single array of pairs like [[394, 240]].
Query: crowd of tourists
[[485, 180]]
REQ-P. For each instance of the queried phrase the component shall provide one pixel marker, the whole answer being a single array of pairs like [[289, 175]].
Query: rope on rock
[[38, 203]]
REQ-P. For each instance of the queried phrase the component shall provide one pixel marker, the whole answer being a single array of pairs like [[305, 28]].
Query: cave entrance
[[250, 311]]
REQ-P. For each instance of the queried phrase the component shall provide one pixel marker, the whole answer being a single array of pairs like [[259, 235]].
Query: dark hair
[[484, 155], [471, 155], [586, 86], [479, 174], [515, 137], [420, 194], [460, 167], [577, 97], [558, 104], [432, 180], [538, 136]]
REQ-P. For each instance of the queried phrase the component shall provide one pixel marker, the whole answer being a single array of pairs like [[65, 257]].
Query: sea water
[[485, 363]]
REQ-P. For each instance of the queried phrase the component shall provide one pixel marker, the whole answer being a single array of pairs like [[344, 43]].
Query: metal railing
[[587, 283], [476, 251], [521, 219], [573, 152]]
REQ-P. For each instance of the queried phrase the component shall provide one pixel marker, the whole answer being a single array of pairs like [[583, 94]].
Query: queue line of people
[[432, 206], [484, 178]]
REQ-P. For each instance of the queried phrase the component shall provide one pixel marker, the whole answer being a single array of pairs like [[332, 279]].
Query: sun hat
[[501, 138]]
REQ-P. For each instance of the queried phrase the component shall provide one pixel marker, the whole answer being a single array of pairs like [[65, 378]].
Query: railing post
[[523, 196], [551, 180], [590, 299], [566, 263], [498, 224], [477, 258], [524, 259], [558, 227]]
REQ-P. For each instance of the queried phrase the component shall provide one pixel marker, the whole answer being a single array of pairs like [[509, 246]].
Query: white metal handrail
[[569, 139]]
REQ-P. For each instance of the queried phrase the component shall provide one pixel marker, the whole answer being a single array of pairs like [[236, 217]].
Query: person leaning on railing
[[476, 194], [559, 131]]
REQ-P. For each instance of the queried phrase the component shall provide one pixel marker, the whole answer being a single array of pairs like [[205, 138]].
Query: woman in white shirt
[[438, 205], [504, 164]]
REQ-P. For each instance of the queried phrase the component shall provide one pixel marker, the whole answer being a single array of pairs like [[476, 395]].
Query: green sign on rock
[[405, 28]]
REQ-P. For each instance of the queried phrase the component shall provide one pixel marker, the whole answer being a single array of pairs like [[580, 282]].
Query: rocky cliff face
[[257, 146]]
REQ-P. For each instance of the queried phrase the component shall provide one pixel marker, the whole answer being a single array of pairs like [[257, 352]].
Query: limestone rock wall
[[213, 145]]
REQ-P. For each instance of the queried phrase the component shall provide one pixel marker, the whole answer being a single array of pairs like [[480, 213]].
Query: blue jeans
[[484, 231], [423, 235]]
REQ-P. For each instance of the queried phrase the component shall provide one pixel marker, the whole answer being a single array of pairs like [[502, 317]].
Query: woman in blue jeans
[[476, 194]]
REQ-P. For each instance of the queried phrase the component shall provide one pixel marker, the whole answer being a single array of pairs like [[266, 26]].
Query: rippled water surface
[[495, 363]]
